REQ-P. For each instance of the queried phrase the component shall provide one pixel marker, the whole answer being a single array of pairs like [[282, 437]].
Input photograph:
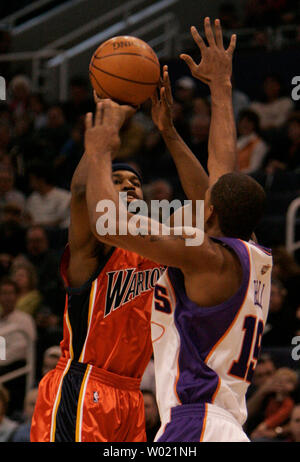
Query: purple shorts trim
[[186, 424]]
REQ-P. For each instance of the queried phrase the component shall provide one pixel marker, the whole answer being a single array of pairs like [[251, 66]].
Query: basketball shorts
[[201, 422], [79, 402]]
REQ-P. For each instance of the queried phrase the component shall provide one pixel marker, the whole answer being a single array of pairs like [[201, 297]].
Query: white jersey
[[208, 354]]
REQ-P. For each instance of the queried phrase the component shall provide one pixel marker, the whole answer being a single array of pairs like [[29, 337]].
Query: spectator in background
[[50, 359], [278, 330], [279, 405], [201, 106], [12, 231], [19, 91], [8, 193], [29, 298], [50, 334], [180, 122], [274, 108], [185, 91], [251, 148], [267, 12], [22, 432], [261, 387], [7, 426], [47, 205], [228, 16], [285, 149], [294, 425], [46, 263], [80, 101], [286, 269], [6, 260], [52, 136], [38, 110], [70, 155], [23, 144], [5, 47], [16, 342], [152, 418], [198, 142], [5, 141], [240, 100]]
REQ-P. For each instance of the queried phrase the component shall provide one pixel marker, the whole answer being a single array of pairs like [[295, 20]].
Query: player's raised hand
[[216, 61], [103, 129], [162, 106]]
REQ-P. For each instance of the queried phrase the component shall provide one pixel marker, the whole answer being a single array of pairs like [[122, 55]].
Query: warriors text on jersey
[[105, 349], [206, 356]]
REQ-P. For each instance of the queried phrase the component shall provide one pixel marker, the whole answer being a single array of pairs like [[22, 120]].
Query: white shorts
[[201, 422]]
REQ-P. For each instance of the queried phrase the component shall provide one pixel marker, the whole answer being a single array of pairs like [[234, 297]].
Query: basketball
[[124, 69]]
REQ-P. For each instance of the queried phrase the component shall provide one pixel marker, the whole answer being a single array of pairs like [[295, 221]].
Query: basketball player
[[106, 344], [210, 306]]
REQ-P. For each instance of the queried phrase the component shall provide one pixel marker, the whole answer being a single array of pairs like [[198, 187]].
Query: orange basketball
[[125, 69]]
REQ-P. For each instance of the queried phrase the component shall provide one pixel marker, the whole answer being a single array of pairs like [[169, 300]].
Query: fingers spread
[[167, 86], [88, 120], [189, 61], [219, 35], [198, 39], [232, 44], [209, 33], [98, 116]]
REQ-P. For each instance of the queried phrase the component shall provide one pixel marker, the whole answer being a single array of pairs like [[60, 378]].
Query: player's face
[[126, 181]]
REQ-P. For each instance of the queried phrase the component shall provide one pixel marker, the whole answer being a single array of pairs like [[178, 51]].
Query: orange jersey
[[107, 320], [93, 394]]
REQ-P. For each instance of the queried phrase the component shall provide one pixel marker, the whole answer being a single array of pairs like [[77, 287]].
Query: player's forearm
[[222, 157], [99, 185], [193, 177], [78, 183]]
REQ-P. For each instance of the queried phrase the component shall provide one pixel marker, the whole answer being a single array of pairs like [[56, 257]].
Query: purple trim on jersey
[[186, 425], [200, 328], [262, 248]]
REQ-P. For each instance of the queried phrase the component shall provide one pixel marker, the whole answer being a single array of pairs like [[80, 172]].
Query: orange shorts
[[78, 402]]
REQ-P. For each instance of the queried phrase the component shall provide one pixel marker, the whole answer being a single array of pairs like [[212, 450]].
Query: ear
[[212, 219], [210, 214]]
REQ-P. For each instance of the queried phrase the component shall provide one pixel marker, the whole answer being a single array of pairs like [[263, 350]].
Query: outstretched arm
[[193, 177], [154, 240], [215, 69]]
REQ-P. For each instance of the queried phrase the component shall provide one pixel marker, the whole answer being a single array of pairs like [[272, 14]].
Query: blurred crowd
[[41, 142]]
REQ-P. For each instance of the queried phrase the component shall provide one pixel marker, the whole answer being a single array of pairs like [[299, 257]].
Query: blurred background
[[45, 49]]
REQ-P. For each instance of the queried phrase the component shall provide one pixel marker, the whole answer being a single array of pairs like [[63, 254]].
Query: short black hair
[[239, 202]]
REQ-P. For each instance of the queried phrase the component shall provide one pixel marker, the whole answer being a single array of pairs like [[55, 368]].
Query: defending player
[[211, 304]]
